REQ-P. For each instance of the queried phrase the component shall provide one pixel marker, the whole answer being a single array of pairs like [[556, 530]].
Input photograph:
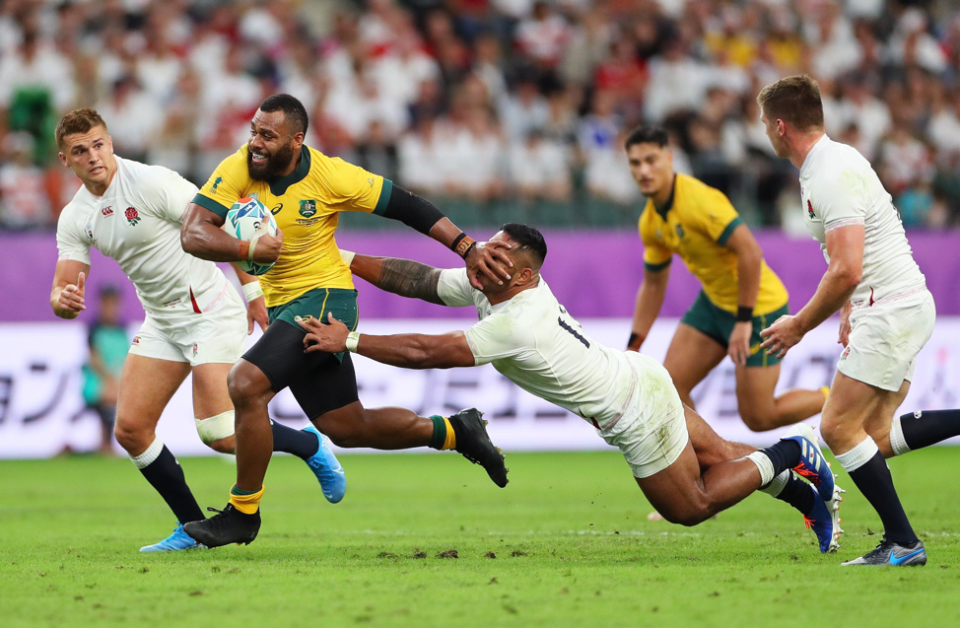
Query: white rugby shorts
[[886, 337], [217, 336], [652, 430]]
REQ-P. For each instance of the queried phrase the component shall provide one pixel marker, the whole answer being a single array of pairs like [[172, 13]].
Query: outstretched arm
[[412, 351], [399, 276]]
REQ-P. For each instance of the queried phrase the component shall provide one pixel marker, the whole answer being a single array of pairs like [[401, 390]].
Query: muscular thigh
[[691, 356], [210, 394], [320, 382], [146, 386], [673, 491]]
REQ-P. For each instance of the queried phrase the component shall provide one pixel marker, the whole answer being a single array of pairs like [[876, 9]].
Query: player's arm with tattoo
[[399, 276], [412, 351]]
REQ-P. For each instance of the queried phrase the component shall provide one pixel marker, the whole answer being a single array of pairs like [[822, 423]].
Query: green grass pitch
[[567, 543]]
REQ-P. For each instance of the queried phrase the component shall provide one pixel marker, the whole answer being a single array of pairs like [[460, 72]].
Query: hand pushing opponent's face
[[525, 267], [651, 166], [273, 149]]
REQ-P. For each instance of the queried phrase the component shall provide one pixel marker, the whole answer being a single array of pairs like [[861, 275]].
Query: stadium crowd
[[486, 100]]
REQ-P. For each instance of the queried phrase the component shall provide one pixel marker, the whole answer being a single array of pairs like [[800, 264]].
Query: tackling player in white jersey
[[531, 339], [886, 312], [195, 322]]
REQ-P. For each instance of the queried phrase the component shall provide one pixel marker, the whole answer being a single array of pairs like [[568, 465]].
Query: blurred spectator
[[108, 343], [133, 116], [446, 95], [540, 169], [24, 203]]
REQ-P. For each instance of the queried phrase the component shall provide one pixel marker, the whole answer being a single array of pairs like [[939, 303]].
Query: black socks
[[291, 441], [798, 494], [875, 482], [783, 455], [922, 429], [166, 476]]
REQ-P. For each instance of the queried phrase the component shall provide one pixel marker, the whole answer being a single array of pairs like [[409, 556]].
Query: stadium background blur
[[490, 107]]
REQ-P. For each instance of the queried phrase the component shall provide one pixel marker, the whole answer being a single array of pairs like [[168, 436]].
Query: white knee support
[[216, 427]]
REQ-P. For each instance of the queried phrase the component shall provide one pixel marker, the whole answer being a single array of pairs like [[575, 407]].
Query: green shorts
[[718, 323], [319, 302]]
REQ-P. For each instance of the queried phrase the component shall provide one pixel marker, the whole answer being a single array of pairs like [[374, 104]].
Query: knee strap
[[216, 427]]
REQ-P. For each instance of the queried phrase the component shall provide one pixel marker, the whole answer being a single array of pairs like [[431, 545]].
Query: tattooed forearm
[[410, 279]]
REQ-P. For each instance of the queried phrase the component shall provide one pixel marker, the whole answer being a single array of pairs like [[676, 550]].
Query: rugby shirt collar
[[278, 187]]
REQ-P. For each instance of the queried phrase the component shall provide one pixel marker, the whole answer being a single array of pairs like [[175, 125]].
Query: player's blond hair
[[78, 121], [795, 100]]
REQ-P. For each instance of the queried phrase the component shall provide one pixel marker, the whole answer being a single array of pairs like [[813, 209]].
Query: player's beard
[[276, 163]]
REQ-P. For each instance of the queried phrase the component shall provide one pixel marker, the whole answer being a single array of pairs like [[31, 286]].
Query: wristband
[[244, 250], [744, 314], [252, 291], [353, 339], [634, 337], [462, 245], [347, 256]]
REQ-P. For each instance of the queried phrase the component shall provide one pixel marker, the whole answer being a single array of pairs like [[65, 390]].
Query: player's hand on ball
[[268, 247], [71, 297], [783, 334], [257, 312], [330, 337], [739, 345], [490, 259]]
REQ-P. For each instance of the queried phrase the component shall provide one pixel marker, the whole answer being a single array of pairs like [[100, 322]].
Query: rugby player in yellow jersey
[[740, 297], [305, 191]]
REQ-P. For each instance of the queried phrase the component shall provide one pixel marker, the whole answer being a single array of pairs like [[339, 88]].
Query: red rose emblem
[[132, 216]]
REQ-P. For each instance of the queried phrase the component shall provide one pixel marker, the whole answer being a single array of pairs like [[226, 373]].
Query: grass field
[[567, 543]]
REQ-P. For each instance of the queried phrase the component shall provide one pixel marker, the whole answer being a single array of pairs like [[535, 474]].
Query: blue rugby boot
[[892, 554], [176, 542], [825, 520], [813, 466], [333, 481]]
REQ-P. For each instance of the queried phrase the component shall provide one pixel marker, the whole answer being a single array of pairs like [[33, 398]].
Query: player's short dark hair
[[795, 100], [646, 135], [293, 110], [77, 121], [528, 238]]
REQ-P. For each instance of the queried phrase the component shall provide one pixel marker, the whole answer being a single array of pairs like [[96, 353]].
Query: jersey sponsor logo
[[132, 216], [810, 210], [195, 349], [136, 340], [680, 231], [659, 235], [845, 354], [89, 232], [216, 183], [308, 208], [276, 209], [107, 211], [370, 182]]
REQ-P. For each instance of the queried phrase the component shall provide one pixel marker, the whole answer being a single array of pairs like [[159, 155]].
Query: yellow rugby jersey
[[305, 205], [696, 224]]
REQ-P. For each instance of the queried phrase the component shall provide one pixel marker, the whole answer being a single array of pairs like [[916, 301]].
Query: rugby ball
[[244, 220]]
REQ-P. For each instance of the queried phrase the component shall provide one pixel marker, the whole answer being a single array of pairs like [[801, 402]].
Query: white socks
[[858, 456], [897, 441], [151, 454], [765, 466], [776, 486]]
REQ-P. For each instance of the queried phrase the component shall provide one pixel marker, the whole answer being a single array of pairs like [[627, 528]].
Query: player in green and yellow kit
[[305, 190], [740, 295]]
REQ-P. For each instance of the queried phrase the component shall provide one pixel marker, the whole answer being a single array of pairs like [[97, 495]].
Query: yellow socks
[[246, 502], [450, 441]]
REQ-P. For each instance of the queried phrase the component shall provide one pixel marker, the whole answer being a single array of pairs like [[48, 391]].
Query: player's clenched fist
[[71, 297]]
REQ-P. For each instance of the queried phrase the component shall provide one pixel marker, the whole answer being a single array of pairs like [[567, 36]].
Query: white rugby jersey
[[840, 188], [536, 344], [137, 222]]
